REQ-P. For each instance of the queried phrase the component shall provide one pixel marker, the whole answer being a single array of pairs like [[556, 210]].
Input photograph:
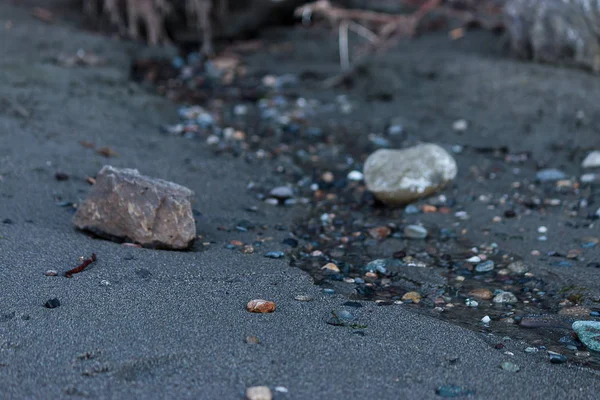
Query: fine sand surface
[[174, 324]]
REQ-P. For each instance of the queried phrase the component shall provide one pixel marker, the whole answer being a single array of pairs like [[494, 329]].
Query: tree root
[[152, 14]]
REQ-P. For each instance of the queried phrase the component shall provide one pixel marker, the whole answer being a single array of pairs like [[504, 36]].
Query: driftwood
[[555, 31], [191, 20]]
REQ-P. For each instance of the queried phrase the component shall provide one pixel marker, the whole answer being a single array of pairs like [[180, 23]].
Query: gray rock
[[505, 298], [510, 367], [282, 192], [517, 267], [589, 333], [592, 160], [398, 177], [124, 205], [415, 232], [485, 266]]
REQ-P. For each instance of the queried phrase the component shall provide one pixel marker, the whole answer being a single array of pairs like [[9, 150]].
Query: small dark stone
[[499, 346], [7, 221], [556, 358], [52, 303], [61, 176], [399, 254], [290, 242], [244, 226], [143, 273], [593, 264], [510, 214]]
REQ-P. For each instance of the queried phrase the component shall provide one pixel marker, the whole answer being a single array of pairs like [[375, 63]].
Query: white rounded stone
[[398, 177]]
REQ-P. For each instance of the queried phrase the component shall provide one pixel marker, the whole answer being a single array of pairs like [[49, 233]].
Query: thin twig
[[343, 45], [78, 269], [362, 31]]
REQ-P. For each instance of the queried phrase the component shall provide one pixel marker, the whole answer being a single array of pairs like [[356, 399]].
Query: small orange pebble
[[427, 208], [444, 210], [236, 243], [260, 306], [380, 232], [456, 33]]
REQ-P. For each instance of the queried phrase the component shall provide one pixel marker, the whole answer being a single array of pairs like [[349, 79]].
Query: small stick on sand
[[84, 265]]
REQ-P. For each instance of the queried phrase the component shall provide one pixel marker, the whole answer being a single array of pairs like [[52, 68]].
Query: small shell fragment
[[260, 306]]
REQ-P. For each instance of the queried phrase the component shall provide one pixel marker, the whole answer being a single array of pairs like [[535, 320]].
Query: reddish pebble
[[260, 306], [380, 232]]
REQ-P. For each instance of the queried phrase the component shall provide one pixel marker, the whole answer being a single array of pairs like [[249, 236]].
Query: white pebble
[[471, 303], [259, 393], [460, 125], [486, 319], [587, 178], [542, 229], [240, 109], [355, 176], [592, 160], [461, 215], [212, 139], [474, 259], [281, 389]]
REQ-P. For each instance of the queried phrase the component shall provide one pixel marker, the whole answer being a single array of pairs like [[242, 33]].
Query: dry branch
[[379, 28]]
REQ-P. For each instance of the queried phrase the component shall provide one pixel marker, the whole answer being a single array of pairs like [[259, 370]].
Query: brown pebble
[[252, 340], [260, 306], [481, 293], [576, 311]]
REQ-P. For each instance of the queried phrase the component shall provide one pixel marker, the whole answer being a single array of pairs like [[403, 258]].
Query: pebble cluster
[[417, 255]]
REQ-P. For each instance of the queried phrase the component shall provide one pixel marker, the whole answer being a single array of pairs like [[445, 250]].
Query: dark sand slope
[[173, 324]]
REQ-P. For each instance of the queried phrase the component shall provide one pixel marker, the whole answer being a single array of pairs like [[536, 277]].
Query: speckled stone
[[398, 177], [589, 333]]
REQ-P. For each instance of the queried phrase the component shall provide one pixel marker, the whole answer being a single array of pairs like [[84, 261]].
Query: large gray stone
[[398, 177], [589, 333], [124, 205]]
